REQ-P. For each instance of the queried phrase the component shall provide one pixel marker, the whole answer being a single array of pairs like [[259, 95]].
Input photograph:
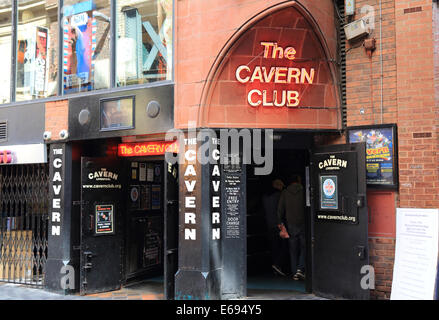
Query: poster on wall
[[104, 219], [145, 197], [152, 244], [79, 34], [32, 62], [40, 65], [328, 192], [142, 171], [381, 159], [135, 197], [416, 254], [155, 197]]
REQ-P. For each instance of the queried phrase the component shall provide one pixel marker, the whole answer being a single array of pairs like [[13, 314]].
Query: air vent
[[3, 130]]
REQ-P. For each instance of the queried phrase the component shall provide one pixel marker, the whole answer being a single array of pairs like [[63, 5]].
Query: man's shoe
[[277, 270], [299, 275]]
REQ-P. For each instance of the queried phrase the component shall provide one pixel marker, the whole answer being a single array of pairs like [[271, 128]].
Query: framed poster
[[381, 154], [142, 171], [104, 219], [79, 46], [155, 197], [328, 193]]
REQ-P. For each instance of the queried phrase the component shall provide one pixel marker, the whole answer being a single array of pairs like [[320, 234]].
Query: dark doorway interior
[[261, 247], [144, 240]]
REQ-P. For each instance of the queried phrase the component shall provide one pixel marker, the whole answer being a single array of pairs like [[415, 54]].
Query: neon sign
[[6, 156], [147, 148], [277, 75]]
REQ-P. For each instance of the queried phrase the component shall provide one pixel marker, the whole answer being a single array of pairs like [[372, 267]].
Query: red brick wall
[[57, 113], [408, 100], [381, 251], [363, 74], [203, 28], [417, 112]]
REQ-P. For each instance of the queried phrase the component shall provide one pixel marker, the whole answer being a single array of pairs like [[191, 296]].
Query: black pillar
[[199, 255], [234, 227], [60, 275]]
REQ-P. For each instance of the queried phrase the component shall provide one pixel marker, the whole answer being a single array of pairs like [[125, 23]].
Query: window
[[86, 45], [37, 41], [144, 41], [5, 50], [117, 113]]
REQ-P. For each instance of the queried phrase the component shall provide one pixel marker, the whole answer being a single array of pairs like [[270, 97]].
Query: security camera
[[47, 135], [63, 134]]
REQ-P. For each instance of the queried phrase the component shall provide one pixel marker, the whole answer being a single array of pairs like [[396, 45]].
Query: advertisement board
[[79, 35], [381, 159]]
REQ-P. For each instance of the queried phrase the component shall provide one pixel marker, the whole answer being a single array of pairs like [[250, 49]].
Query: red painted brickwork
[[203, 28], [57, 113], [227, 104]]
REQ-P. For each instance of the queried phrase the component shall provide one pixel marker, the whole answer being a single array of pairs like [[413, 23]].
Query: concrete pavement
[[146, 290]]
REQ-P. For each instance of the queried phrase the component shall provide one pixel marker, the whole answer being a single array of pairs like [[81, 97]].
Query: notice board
[[416, 254]]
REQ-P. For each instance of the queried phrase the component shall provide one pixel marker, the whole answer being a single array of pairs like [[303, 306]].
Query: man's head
[[295, 178], [278, 184]]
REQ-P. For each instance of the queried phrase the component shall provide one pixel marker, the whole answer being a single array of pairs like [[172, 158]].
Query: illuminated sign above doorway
[[275, 75], [278, 72], [153, 148]]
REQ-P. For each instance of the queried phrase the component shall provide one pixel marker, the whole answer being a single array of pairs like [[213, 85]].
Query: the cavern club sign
[[277, 71], [147, 148]]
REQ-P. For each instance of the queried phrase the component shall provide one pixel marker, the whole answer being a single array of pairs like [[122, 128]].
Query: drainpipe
[[381, 60]]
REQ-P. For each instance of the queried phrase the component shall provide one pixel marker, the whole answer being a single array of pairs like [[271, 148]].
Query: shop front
[[113, 197], [24, 183], [270, 107]]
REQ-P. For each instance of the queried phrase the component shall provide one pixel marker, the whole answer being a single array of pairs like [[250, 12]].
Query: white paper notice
[[142, 172], [416, 254]]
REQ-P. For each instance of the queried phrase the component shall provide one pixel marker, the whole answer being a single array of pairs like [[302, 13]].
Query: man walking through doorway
[[291, 212], [271, 201]]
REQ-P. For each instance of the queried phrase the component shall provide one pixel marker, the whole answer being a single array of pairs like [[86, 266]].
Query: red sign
[[147, 148], [277, 75], [5, 156]]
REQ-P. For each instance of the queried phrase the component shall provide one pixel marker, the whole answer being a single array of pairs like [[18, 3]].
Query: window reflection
[[86, 45], [5, 51], [144, 32], [144, 41], [37, 38]]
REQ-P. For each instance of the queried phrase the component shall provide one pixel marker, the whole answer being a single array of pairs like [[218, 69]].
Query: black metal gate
[[23, 223]]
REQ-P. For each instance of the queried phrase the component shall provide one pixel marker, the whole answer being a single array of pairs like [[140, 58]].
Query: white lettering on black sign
[[333, 163], [56, 205], [232, 200]]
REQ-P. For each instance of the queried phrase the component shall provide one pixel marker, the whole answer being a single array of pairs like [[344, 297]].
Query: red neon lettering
[[147, 148]]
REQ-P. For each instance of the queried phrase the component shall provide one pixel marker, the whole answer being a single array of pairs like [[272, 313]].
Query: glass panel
[[37, 44], [86, 45], [5, 50], [117, 114], [144, 41]]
